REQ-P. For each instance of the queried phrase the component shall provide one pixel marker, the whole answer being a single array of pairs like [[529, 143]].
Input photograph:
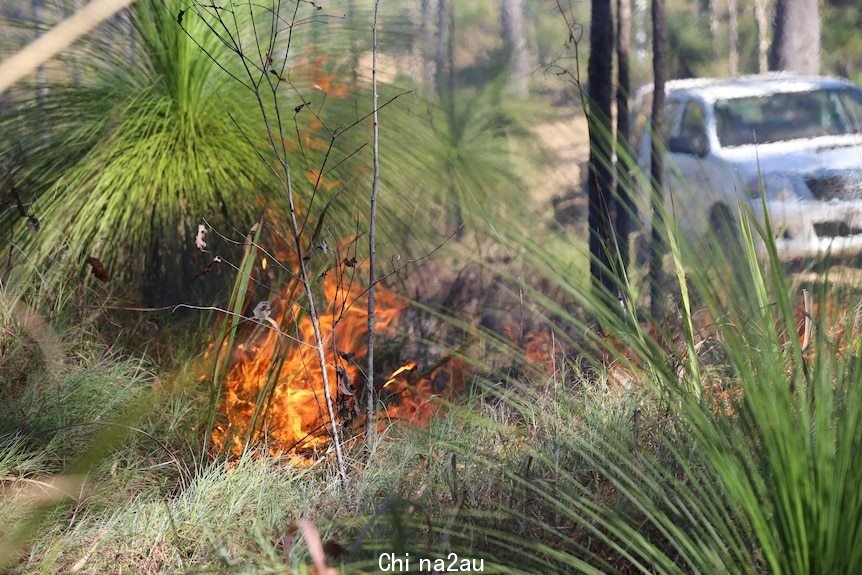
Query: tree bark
[[714, 17], [733, 25], [761, 17], [657, 249], [441, 55], [796, 42], [370, 430], [424, 61], [641, 7], [600, 181], [354, 44], [515, 33], [624, 208], [39, 18]]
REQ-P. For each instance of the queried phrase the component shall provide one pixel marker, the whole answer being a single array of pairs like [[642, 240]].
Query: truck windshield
[[788, 116]]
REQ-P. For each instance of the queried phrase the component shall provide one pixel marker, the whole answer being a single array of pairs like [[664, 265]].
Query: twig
[[809, 324]]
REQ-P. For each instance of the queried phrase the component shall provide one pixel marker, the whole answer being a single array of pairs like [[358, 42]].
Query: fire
[[409, 366], [283, 405]]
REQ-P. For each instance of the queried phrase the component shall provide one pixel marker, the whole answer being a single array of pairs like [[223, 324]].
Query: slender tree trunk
[[450, 59], [714, 18], [354, 44], [641, 8], [440, 55], [600, 180], [796, 41], [451, 112], [733, 25], [372, 249], [657, 297], [515, 33], [625, 209], [761, 17], [39, 18], [423, 48]]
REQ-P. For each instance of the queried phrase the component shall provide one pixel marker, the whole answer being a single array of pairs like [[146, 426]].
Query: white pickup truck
[[795, 139]]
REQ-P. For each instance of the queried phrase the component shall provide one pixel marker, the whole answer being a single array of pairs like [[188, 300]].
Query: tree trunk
[[441, 55], [714, 17], [39, 18], [624, 208], [515, 34], [640, 32], [796, 42], [761, 17], [733, 25], [370, 407], [600, 180], [659, 66], [423, 53], [354, 43]]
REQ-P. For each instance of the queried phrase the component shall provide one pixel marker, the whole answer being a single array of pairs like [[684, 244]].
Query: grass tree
[[140, 153]]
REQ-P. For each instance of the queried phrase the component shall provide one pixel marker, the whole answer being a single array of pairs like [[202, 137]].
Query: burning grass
[[273, 391]]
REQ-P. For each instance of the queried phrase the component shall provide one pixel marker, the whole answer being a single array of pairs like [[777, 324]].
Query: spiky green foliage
[[126, 164], [478, 178], [740, 458], [150, 127]]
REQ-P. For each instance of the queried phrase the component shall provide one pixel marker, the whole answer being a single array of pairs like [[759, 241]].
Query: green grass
[[568, 472]]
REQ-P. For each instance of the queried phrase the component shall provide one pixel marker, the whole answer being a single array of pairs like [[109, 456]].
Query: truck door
[[688, 173]]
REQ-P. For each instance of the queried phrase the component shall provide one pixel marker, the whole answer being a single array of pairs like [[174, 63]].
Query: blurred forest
[[706, 37], [483, 79]]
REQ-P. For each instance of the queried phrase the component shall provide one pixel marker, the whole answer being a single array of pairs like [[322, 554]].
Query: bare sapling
[[372, 256], [263, 73]]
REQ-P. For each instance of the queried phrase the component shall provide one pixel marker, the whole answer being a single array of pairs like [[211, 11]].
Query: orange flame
[[283, 404], [409, 366]]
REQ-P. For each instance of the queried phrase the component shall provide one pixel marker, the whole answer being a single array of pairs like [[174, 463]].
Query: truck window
[[693, 121], [691, 136], [641, 120]]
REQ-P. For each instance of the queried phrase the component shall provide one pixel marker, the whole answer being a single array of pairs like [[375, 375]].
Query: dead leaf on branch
[[277, 75], [344, 381], [98, 269], [208, 268], [262, 310], [200, 242]]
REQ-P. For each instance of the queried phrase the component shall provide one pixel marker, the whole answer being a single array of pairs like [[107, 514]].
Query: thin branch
[[372, 254]]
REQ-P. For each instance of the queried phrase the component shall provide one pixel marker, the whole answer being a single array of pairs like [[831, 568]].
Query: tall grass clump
[[722, 438], [736, 450], [124, 159]]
